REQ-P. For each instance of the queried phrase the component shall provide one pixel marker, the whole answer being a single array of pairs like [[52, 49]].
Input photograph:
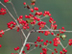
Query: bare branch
[[54, 30], [14, 9], [24, 43]]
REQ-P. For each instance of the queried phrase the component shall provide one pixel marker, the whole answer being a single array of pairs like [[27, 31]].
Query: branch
[[14, 9], [54, 30], [7, 30], [67, 45], [24, 43]]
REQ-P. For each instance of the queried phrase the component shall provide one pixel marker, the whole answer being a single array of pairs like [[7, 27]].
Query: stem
[[14, 9], [53, 30], [67, 45], [31, 50], [7, 30], [21, 39], [25, 42]]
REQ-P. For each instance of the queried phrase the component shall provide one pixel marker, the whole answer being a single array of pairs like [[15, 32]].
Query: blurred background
[[61, 11]]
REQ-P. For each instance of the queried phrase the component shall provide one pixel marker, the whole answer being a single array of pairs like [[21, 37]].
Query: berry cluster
[[1, 33], [70, 42], [23, 22], [56, 41], [2, 11], [11, 24], [28, 46], [41, 24]]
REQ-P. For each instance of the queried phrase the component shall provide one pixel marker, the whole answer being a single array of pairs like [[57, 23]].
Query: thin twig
[[53, 30], [41, 46], [7, 29], [21, 39], [14, 9], [24, 43], [31, 50], [43, 17], [67, 46]]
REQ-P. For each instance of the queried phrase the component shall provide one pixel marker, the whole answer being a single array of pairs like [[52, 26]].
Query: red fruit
[[21, 16], [0, 35], [55, 49], [27, 45], [6, 1], [23, 51], [38, 37], [50, 42], [52, 52], [11, 24], [0, 45], [63, 28], [2, 11], [12, 53], [61, 52], [36, 8], [26, 16], [64, 50], [41, 53], [28, 48], [41, 40], [49, 14], [52, 33], [31, 10], [15, 49], [2, 32], [32, 3], [24, 3], [46, 41], [36, 45]]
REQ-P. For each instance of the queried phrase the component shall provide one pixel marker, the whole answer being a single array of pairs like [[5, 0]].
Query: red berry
[[50, 42], [41, 40], [31, 10], [46, 41], [55, 49], [61, 52], [38, 37], [23, 51], [6, 1], [24, 3], [0, 45], [63, 28], [52, 52], [52, 33], [15, 49], [21, 16]]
